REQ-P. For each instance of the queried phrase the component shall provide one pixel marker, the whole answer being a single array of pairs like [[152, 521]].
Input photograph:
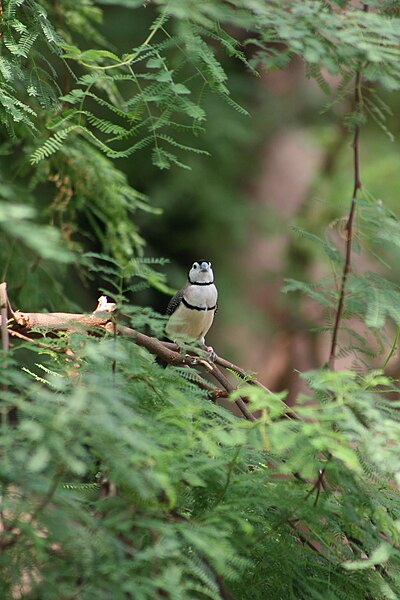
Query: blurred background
[[286, 165]]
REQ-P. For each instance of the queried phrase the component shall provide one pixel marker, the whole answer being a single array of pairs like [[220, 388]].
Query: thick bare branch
[[22, 323]]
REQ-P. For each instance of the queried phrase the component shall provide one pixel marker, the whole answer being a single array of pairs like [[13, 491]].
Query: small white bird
[[192, 309]]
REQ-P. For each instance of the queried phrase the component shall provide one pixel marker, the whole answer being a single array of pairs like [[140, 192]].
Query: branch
[[5, 343], [226, 364], [349, 233], [25, 338], [301, 531], [319, 483], [305, 534], [347, 263], [22, 323], [168, 352], [349, 224], [220, 377], [213, 392]]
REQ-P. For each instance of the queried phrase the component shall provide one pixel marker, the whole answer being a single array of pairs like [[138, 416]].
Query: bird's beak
[[204, 266]]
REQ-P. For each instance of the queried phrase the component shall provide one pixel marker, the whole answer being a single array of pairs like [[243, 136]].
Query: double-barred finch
[[192, 309]]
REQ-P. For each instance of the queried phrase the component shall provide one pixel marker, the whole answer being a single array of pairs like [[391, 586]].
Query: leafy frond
[[122, 479]]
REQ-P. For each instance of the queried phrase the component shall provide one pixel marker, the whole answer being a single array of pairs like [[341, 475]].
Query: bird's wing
[[175, 301]]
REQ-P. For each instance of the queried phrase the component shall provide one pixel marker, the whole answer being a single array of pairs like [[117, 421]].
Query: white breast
[[191, 322], [204, 296]]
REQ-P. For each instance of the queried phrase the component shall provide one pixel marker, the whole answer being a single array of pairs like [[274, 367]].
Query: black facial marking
[[196, 265], [203, 260]]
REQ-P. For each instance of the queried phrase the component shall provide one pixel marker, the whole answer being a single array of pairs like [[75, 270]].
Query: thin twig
[[349, 233], [5, 347], [220, 377], [164, 351], [213, 392], [48, 496], [242, 373], [319, 483], [349, 224], [229, 474], [25, 338], [5, 341], [301, 531]]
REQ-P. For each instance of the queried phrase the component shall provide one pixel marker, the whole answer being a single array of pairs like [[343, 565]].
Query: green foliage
[[120, 479], [200, 496]]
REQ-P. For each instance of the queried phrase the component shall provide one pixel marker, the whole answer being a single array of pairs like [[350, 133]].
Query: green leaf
[[40, 459], [379, 556]]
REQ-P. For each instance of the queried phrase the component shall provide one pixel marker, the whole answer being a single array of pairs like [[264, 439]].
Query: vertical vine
[[350, 219]]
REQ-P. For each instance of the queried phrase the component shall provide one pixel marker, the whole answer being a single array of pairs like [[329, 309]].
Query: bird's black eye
[[194, 266]]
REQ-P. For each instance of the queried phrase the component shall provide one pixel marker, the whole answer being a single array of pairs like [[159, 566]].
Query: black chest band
[[192, 307]]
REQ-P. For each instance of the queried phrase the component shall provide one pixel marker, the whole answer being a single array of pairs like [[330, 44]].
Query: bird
[[192, 309]]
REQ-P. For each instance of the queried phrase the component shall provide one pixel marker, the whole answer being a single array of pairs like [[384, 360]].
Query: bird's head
[[201, 273]]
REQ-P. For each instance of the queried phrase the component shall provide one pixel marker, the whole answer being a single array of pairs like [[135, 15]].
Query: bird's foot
[[179, 347], [211, 353]]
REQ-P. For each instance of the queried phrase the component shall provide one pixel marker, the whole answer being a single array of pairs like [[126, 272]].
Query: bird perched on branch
[[192, 309]]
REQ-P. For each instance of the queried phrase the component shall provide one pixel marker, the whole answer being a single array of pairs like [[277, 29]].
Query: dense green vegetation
[[119, 478]]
